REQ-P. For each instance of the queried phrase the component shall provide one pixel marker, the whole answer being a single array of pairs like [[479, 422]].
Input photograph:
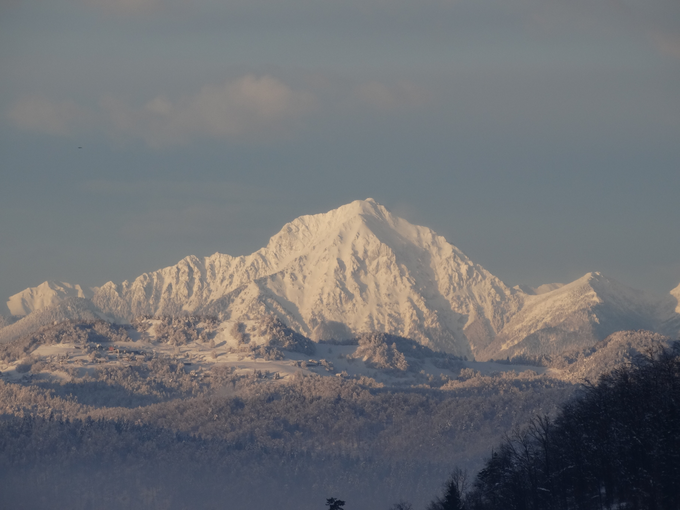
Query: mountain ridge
[[575, 315], [359, 268], [357, 265], [45, 295]]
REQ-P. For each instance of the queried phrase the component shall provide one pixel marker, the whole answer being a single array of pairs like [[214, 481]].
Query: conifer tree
[[335, 504]]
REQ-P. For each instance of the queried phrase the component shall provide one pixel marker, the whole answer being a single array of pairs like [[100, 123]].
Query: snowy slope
[[44, 296], [6, 320], [71, 308], [618, 349], [576, 315]]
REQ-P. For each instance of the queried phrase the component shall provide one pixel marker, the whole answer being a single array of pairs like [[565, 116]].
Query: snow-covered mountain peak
[[354, 220], [363, 229], [676, 294], [46, 294], [577, 314], [612, 291], [359, 268]]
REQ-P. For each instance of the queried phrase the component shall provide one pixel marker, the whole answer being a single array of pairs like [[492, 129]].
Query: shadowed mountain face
[[359, 269]]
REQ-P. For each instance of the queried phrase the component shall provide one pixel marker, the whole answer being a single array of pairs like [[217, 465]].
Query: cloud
[[243, 107], [653, 20], [398, 96], [42, 115]]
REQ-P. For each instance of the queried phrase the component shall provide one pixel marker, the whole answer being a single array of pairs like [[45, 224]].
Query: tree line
[[617, 446]]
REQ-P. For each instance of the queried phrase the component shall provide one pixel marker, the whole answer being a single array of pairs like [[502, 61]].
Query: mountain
[[8, 320], [676, 295], [573, 316], [71, 308], [671, 316], [618, 349], [354, 269], [43, 296], [359, 268]]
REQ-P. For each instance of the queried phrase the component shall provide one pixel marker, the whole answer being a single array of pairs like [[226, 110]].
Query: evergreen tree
[[617, 446], [452, 498], [335, 504]]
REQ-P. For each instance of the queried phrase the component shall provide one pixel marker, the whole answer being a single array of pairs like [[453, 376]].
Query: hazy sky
[[541, 137]]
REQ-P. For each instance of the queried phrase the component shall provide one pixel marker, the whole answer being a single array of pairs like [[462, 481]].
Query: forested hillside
[[618, 446], [310, 434], [172, 412]]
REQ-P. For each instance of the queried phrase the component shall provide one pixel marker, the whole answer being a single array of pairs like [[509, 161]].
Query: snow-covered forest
[[176, 411], [162, 413]]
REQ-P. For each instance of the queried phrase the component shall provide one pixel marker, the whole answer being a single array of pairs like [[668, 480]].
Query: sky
[[541, 137]]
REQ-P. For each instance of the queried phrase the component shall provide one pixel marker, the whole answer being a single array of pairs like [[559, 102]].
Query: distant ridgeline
[[360, 269]]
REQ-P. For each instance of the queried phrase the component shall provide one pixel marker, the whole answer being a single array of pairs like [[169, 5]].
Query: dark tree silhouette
[[616, 447], [452, 499], [335, 504]]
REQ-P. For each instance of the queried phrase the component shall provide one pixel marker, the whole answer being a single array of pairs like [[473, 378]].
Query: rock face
[[359, 268]]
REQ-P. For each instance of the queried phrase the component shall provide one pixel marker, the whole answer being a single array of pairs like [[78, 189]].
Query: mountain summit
[[45, 295], [359, 268]]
